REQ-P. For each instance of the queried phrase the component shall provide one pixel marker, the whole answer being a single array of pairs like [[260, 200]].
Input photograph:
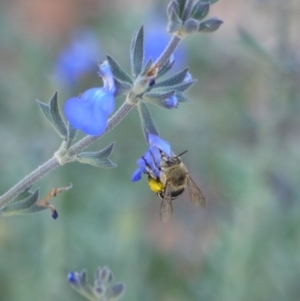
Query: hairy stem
[[171, 47], [28, 181], [52, 163]]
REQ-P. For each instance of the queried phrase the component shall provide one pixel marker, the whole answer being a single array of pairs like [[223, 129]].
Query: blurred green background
[[242, 133]]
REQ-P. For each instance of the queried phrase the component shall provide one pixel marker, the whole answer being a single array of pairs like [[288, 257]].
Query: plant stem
[[25, 183], [171, 47], [52, 163]]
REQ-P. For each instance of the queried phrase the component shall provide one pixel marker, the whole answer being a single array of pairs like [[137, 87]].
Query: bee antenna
[[182, 153]]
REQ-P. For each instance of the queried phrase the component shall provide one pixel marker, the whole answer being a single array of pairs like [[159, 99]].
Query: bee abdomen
[[174, 195]]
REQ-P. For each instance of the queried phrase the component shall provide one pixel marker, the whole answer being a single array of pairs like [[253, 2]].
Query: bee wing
[[166, 208], [195, 193]]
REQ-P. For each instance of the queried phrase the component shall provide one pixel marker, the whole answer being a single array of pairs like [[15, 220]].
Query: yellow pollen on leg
[[155, 185]]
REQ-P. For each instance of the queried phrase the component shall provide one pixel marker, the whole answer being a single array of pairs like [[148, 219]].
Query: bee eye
[[152, 82]]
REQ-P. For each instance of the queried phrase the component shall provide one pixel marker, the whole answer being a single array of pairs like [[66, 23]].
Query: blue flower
[[73, 277], [150, 162], [171, 102], [78, 58], [163, 145], [89, 112]]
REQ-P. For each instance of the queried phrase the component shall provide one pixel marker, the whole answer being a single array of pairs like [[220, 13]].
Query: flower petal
[[137, 175], [171, 102], [82, 116], [161, 144], [150, 161], [141, 163], [103, 99], [156, 155], [89, 112], [107, 77]]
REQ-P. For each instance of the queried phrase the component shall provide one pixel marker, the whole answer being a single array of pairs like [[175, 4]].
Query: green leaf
[[200, 10], [210, 25], [146, 67], [166, 67], [178, 88], [181, 4], [182, 98], [115, 292], [122, 87], [104, 275], [46, 110], [147, 121], [174, 80], [190, 26], [20, 207], [174, 23], [99, 158], [59, 124], [137, 53], [84, 288], [173, 5], [117, 71], [23, 195], [51, 112], [70, 136], [158, 98]]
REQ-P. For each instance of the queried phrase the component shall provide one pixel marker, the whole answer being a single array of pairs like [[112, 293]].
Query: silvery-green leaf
[[182, 98], [158, 98], [190, 26], [58, 121], [146, 67], [166, 67], [210, 25], [71, 135], [174, 23], [52, 113], [115, 292], [181, 4], [83, 287], [46, 110], [137, 53], [178, 88], [100, 291], [23, 195], [117, 71], [173, 5], [122, 87], [200, 10], [104, 275], [83, 277], [33, 209], [19, 208], [147, 121], [174, 80], [99, 158]]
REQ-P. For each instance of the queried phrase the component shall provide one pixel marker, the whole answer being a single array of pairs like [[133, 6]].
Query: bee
[[171, 183]]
